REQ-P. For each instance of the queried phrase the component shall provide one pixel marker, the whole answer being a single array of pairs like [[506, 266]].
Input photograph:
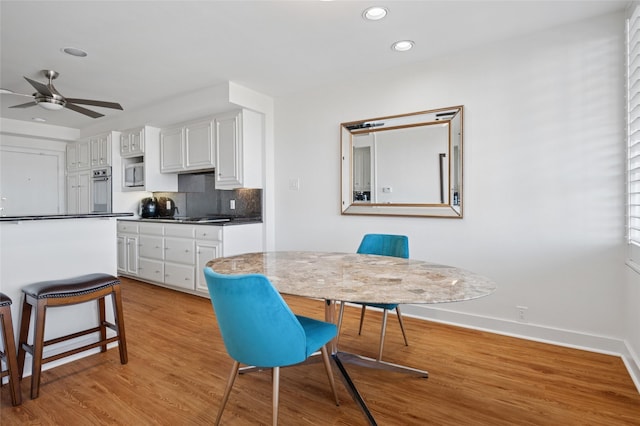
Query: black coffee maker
[[166, 207], [148, 207]]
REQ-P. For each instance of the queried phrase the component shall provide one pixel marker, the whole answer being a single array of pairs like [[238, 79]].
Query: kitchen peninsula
[[38, 248]]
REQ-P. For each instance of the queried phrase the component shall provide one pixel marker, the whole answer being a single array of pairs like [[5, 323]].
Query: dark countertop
[[185, 221], [62, 216]]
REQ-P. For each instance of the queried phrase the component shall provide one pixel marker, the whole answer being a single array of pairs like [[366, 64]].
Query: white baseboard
[[555, 336]]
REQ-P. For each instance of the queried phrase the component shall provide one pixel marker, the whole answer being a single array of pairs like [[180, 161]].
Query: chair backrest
[[385, 245], [257, 326]]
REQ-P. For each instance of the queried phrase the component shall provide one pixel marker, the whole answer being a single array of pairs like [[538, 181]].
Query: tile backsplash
[[197, 197]]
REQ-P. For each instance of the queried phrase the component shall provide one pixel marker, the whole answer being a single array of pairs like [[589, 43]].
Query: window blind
[[633, 134]]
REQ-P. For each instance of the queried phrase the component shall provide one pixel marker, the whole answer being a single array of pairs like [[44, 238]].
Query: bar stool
[[57, 293], [9, 346]]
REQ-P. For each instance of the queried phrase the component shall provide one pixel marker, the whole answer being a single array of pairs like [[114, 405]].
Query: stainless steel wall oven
[[101, 190]]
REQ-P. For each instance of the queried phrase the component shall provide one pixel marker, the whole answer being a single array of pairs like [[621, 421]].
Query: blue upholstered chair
[[259, 329], [383, 245]]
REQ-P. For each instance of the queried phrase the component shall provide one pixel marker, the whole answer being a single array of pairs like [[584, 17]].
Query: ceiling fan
[[49, 98]]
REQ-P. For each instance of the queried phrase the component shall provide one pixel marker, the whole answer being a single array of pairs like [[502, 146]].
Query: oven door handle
[[101, 179]]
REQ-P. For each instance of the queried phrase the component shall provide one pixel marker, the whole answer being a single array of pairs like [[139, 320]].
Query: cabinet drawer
[[151, 269], [179, 276], [127, 227], [179, 250], [209, 233], [184, 231], [152, 247], [151, 228]]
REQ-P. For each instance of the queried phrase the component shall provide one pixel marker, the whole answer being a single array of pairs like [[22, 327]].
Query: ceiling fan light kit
[[50, 99]]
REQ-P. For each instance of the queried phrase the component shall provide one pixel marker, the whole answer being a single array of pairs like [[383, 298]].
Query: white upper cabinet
[[78, 156], [199, 145], [100, 147], [172, 149], [187, 147], [132, 143], [239, 140]]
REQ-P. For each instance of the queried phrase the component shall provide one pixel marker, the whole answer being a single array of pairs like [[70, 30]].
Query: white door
[[31, 183]]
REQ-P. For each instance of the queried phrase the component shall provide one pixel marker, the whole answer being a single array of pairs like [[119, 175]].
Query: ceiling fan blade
[[43, 89], [11, 92], [28, 104], [104, 104], [84, 111]]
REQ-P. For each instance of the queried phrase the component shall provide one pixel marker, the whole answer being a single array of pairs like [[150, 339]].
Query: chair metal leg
[[339, 325], [227, 391], [364, 308], [327, 367], [275, 372], [385, 313], [406, 342]]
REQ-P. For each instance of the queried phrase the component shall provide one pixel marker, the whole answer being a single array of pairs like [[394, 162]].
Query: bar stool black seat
[[9, 346], [71, 291]]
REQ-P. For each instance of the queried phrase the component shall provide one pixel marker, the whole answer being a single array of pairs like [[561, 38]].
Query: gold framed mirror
[[403, 165]]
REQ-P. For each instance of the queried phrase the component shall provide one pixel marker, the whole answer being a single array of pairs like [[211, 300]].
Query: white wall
[[38, 151], [543, 174]]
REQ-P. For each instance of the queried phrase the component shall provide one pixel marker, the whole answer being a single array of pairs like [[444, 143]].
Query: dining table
[[360, 278]]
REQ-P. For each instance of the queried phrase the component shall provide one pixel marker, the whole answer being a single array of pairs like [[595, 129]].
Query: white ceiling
[[144, 51]]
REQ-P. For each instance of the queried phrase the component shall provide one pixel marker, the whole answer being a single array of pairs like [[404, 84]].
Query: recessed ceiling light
[[402, 45], [374, 13], [39, 119], [74, 51]]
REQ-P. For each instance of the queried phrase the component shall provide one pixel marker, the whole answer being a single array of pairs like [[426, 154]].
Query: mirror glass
[[403, 165]]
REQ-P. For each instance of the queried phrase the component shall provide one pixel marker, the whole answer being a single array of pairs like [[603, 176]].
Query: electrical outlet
[[522, 313], [294, 184], [232, 204]]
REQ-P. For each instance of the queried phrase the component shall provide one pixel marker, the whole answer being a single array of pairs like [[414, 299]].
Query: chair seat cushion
[[318, 332], [68, 287], [389, 306]]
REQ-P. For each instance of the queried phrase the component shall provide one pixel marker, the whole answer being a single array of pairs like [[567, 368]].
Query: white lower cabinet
[[175, 255], [127, 248]]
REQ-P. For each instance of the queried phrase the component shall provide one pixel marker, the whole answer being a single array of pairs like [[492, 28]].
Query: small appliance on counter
[[166, 207], [148, 207]]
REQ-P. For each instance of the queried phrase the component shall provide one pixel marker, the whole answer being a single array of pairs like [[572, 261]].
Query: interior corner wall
[[544, 196]]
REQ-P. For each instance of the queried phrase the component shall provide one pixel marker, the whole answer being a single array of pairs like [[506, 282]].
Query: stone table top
[[352, 277]]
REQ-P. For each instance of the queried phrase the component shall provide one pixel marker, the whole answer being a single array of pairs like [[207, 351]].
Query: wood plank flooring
[[178, 369]]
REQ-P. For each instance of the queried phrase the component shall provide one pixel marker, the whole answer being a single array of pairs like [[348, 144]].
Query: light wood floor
[[178, 369]]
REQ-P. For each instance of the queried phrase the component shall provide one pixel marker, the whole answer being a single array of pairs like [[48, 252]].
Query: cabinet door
[[179, 275], [125, 144], [136, 142], [83, 155], [100, 148], [131, 243], [199, 146], [72, 157], [205, 251], [72, 193], [122, 254], [151, 247], [84, 192], [151, 270], [228, 151], [171, 150], [179, 250]]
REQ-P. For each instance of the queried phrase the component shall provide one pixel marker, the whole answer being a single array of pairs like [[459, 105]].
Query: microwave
[[133, 175]]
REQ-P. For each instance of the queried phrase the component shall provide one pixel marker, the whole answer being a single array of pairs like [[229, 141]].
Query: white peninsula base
[[41, 250]]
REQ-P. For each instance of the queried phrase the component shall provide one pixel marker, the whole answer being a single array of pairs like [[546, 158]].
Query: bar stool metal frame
[[48, 294], [9, 347]]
